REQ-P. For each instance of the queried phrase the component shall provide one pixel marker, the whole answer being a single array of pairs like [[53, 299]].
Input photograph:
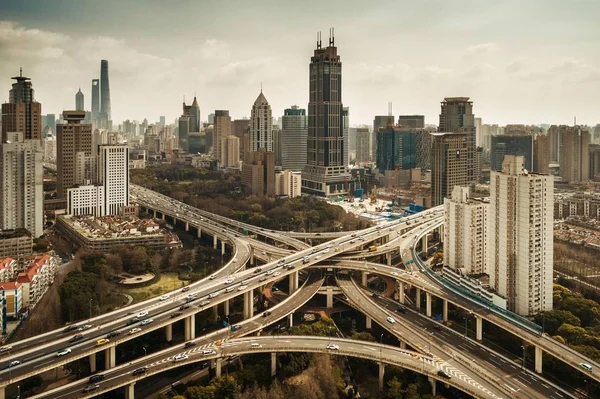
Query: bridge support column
[[291, 320], [293, 282], [418, 298], [364, 276], [248, 305], [187, 226], [215, 240], [538, 359], [432, 381], [226, 308], [215, 312], [110, 357], [401, 292], [381, 372], [93, 363], [222, 247], [2, 392], [130, 391], [329, 297], [218, 367], [273, 364], [428, 304], [174, 222], [162, 215], [388, 258], [368, 323], [199, 232], [445, 311], [424, 243], [190, 327], [251, 261], [402, 345], [169, 332], [479, 328]]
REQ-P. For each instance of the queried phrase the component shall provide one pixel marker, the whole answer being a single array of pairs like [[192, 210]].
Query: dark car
[[257, 270], [132, 321], [141, 370], [443, 374], [400, 309], [113, 334], [76, 338], [267, 313], [96, 378], [235, 327], [189, 344], [91, 388], [70, 328], [185, 306], [173, 315], [374, 295]]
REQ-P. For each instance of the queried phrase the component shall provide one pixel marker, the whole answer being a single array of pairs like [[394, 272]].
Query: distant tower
[[95, 101], [195, 116], [22, 113], [261, 125], [79, 101], [104, 92]]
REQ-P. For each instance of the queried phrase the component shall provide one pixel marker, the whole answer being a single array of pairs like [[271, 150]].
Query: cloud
[[481, 48]]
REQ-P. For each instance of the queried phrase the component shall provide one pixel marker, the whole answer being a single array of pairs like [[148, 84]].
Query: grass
[[168, 282]]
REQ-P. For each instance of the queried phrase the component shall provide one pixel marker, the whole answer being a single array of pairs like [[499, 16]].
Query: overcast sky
[[520, 61]]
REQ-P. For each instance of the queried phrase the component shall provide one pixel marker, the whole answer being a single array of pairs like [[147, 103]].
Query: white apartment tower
[[288, 183], [465, 231], [113, 174], [230, 152], [520, 237], [21, 181], [261, 125]]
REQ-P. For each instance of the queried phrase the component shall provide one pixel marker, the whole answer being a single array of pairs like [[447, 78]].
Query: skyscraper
[[448, 165], [184, 132], [541, 154], [520, 237], [261, 125], [412, 121], [230, 152], [511, 145], [396, 149], [21, 184], [363, 146], [194, 116], [104, 93], [240, 128], [95, 102], [294, 131], [74, 164], [79, 105], [22, 113], [222, 128], [457, 116], [113, 175], [325, 173], [573, 154], [379, 122], [258, 172]]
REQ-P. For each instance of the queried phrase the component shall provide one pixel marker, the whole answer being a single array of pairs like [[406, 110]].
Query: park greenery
[[220, 193]]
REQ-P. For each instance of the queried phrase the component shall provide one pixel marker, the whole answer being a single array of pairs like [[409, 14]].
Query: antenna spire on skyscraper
[[21, 72], [331, 37]]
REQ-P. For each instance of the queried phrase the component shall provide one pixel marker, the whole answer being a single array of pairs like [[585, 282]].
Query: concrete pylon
[[215, 240], [329, 297], [169, 332], [110, 357], [445, 311], [273, 364], [92, 363], [428, 304], [368, 323], [218, 367], [479, 328], [130, 391], [248, 305], [401, 292], [381, 373], [538, 359], [418, 298]]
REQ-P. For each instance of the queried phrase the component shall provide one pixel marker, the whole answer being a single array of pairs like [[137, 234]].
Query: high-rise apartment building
[[277, 149], [457, 117], [379, 122], [573, 153], [258, 172], [363, 146], [73, 152], [541, 154], [240, 128], [22, 113], [594, 161], [294, 132], [520, 237], [79, 104], [230, 152], [222, 128], [113, 175], [288, 183], [511, 145], [448, 165], [412, 121], [465, 231], [21, 184], [261, 125], [325, 172], [554, 142]]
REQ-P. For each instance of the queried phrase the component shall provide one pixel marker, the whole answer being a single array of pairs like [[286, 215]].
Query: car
[[242, 287], [375, 295], [185, 306], [141, 370], [176, 314], [63, 352], [5, 348], [134, 330], [290, 266], [181, 357], [84, 327], [333, 347], [207, 352], [400, 309], [214, 294], [96, 378], [204, 302], [189, 344], [395, 274], [269, 272], [102, 341], [113, 334], [391, 320], [443, 374], [228, 281], [235, 327], [264, 253], [353, 235], [14, 363], [229, 289], [70, 328], [76, 338], [325, 251], [255, 345], [212, 277], [586, 366], [267, 313], [185, 289], [91, 388], [164, 297], [317, 257], [143, 313], [147, 321], [260, 280], [257, 270]]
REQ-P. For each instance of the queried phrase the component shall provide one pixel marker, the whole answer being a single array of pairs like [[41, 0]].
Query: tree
[[226, 387], [553, 319], [395, 390]]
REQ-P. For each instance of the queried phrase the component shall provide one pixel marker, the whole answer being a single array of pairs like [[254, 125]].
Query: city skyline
[[445, 51]]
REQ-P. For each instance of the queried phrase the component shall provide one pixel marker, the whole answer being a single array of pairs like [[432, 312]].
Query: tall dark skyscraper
[[325, 173], [95, 101], [195, 116], [79, 106], [104, 91], [457, 116], [22, 113]]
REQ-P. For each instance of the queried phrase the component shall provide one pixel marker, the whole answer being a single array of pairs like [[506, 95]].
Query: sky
[[525, 61]]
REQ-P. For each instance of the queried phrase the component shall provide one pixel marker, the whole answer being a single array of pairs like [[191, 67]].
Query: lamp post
[[381, 347], [145, 352], [523, 364], [91, 299]]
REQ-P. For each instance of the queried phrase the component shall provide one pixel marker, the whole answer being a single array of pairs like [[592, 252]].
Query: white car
[[84, 327], [164, 297], [214, 294], [276, 274], [242, 287], [181, 357], [147, 321], [325, 251], [134, 330], [333, 347], [228, 281], [143, 313], [395, 274], [270, 272], [229, 289], [207, 352], [63, 352], [391, 320], [212, 277]]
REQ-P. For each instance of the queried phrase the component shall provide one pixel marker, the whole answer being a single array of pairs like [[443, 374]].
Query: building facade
[[379, 122], [85, 200], [448, 165], [294, 132], [511, 145], [573, 154], [113, 175], [73, 152], [363, 146], [412, 121], [261, 125], [258, 173], [22, 113], [222, 128], [541, 154], [79, 105], [520, 237], [288, 183], [457, 117], [230, 152]]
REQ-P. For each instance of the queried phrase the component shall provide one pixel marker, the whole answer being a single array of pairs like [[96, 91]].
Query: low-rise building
[[15, 243], [36, 279], [12, 292], [7, 269]]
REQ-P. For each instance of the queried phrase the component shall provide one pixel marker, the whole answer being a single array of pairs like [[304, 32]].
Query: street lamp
[[91, 299], [145, 352], [381, 347], [523, 364]]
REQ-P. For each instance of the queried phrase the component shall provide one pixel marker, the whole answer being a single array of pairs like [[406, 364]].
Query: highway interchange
[[487, 381]]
